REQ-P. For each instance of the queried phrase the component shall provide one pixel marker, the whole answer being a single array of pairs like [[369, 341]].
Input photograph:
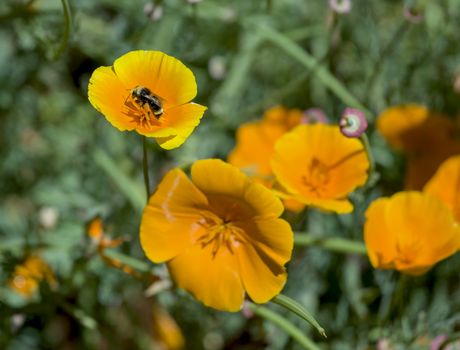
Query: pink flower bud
[[353, 122]]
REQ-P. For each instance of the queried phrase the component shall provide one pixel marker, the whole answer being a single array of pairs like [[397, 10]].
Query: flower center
[[143, 107], [219, 233], [316, 177]]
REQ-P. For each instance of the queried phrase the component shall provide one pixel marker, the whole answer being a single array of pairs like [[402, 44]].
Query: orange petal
[[217, 178], [445, 185], [171, 217], [165, 76], [214, 281], [319, 166], [108, 94], [263, 256], [410, 219]]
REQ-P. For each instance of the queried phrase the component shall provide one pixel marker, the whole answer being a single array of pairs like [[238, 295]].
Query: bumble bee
[[143, 96]]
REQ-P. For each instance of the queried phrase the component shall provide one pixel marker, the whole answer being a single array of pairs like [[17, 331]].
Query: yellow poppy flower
[[410, 232], [150, 92], [28, 275], [426, 138], [319, 166], [219, 234], [445, 185]]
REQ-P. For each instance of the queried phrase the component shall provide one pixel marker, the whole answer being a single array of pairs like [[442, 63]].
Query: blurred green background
[[62, 163]]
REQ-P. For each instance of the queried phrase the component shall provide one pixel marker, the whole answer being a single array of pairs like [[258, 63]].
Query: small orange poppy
[[219, 233], [445, 185], [166, 331], [410, 232], [150, 92], [319, 166], [28, 275]]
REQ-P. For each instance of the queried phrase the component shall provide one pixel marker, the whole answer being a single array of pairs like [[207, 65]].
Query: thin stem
[[335, 244], [145, 165], [373, 177], [284, 324], [67, 27]]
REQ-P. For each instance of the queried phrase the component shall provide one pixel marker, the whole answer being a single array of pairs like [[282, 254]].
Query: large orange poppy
[[219, 233]]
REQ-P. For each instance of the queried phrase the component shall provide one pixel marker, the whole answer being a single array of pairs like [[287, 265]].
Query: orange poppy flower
[[410, 232], [219, 234], [445, 185], [28, 275], [255, 144], [150, 92], [319, 166], [255, 141], [166, 331], [425, 137]]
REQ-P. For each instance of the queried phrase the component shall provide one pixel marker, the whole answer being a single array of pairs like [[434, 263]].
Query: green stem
[[67, 27], [335, 244], [373, 176], [145, 165], [284, 324]]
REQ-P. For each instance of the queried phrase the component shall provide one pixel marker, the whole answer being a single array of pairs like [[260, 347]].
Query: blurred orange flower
[[410, 232], [166, 331], [150, 92], [319, 166], [28, 275], [255, 144], [219, 234], [445, 185], [425, 137], [255, 141]]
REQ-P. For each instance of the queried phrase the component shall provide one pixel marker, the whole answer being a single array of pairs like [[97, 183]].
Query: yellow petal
[[170, 219], [182, 119], [217, 178], [107, 94], [165, 76], [214, 281]]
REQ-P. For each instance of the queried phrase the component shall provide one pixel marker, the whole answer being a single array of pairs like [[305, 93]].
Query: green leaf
[[299, 310], [128, 187], [335, 244], [284, 324], [311, 63]]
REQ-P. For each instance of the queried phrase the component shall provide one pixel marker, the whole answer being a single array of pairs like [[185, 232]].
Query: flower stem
[[335, 244], [373, 176], [145, 164], [284, 324], [67, 27]]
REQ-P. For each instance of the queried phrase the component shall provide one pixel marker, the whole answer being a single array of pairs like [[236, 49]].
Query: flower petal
[[165, 76], [107, 94], [217, 178], [215, 281], [445, 185], [171, 217], [182, 120]]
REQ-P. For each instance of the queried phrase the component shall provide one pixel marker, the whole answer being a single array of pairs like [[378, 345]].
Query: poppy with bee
[[143, 96]]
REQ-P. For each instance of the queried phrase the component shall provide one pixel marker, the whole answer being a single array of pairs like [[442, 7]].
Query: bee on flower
[[149, 92]]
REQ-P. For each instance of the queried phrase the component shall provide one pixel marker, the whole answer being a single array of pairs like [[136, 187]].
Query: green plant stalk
[[372, 175], [67, 28], [145, 166], [284, 324], [127, 186], [335, 244], [296, 308], [311, 63]]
